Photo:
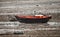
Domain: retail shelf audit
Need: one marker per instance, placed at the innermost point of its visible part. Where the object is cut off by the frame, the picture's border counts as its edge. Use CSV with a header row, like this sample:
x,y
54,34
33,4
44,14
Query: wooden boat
x,y
33,19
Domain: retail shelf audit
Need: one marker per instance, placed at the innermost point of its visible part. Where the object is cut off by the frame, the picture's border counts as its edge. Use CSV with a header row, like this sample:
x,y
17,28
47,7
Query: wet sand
x,y
33,33
26,7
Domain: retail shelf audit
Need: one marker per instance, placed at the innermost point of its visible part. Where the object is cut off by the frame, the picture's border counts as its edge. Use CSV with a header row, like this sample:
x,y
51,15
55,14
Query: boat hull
x,y
32,20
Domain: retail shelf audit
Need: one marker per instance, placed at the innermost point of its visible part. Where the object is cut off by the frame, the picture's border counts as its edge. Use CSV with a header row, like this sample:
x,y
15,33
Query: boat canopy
x,y
39,15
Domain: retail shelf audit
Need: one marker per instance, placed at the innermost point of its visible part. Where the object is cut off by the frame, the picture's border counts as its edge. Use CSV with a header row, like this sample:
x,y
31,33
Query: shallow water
x,y
54,23
18,23
11,27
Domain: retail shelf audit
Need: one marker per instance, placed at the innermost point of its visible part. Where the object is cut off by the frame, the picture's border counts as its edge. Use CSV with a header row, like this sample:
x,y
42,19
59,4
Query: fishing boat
x,y
33,19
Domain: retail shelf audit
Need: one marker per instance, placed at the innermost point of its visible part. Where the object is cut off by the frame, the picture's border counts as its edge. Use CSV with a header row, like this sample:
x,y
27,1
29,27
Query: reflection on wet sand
x,y
28,29
18,25
54,23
